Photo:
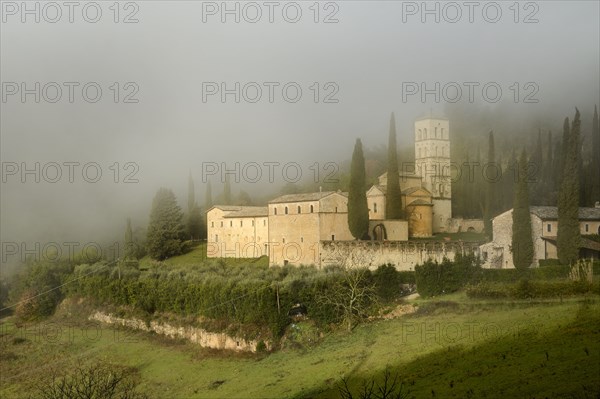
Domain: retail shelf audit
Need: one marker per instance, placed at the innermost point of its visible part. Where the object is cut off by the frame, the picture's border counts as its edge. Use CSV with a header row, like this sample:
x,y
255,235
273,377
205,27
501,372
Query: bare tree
x,y
390,388
353,293
98,381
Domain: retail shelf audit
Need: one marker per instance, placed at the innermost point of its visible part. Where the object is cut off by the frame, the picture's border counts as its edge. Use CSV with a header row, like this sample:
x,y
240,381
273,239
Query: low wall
x,y
196,335
404,255
459,225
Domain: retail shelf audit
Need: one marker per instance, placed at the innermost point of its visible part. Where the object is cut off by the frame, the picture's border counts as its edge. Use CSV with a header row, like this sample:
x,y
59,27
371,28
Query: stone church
x,y
292,228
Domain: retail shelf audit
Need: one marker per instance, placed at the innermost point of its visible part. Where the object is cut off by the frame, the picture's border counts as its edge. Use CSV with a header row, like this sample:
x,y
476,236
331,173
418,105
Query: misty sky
x,y
171,51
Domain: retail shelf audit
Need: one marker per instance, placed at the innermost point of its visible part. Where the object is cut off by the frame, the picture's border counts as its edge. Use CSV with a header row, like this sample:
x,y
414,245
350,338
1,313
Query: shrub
x,y
435,278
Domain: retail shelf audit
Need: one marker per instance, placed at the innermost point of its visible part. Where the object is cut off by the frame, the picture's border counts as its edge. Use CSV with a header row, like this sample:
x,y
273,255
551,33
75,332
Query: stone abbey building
x,y
300,228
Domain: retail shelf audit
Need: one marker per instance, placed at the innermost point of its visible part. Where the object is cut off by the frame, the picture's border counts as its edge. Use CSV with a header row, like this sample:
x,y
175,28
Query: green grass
x,y
197,258
453,347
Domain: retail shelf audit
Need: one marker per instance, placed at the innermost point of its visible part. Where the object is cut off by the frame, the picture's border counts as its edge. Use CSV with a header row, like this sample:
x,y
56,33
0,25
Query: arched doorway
x,y
379,233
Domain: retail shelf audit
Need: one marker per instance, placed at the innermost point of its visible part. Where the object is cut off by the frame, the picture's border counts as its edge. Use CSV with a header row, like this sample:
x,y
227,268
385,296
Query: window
x,y
587,227
264,222
443,133
375,207
312,209
283,240
336,209
333,237
241,223
231,223
212,224
436,132
299,209
216,238
301,239
221,224
286,210
253,223
425,134
275,211
548,227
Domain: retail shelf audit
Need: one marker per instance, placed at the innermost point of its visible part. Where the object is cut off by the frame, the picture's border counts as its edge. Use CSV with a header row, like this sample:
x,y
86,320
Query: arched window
x,y
286,210
312,209
299,209
375,207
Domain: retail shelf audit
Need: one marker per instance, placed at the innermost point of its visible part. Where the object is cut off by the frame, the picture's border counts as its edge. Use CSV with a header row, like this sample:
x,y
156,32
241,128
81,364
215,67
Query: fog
x,y
365,65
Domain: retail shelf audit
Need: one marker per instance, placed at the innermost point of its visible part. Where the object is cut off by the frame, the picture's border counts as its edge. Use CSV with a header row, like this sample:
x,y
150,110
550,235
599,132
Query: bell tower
x,y
432,163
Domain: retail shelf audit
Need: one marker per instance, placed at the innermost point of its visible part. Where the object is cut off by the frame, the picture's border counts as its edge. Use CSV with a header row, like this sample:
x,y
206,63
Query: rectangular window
x,y
212,224
333,237
548,227
221,224
587,227
253,223
264,222
241,223
231,223
216,238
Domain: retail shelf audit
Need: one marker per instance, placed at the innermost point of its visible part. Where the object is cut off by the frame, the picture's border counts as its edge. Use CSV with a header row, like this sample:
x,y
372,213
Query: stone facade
x,y
299,222
432,163
498,252
237,231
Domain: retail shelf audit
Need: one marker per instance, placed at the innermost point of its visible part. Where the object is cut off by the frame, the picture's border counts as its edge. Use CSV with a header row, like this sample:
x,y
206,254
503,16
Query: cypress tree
x,y
165,230
208,202
549,163
195,223
227,191
191,194
358,211
595,172
522,240
568,196
490,189
130,250
393,204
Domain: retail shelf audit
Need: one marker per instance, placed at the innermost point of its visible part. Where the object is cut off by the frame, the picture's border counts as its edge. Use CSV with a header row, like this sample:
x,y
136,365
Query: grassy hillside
x,y
452,348
196,258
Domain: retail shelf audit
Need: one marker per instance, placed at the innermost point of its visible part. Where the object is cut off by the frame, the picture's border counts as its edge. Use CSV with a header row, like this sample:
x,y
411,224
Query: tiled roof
x,y
227,207
410,190
305,197
551,213
249,211
420,202
381,188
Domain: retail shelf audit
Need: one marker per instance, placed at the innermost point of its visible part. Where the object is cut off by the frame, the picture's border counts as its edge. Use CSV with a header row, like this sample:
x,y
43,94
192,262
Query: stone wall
x,y
460,225
404,255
